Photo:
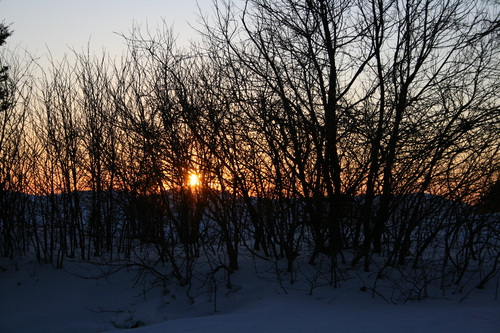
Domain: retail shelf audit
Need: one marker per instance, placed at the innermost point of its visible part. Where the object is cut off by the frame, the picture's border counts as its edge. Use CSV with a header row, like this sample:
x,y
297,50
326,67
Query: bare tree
x,y
16,91
380,98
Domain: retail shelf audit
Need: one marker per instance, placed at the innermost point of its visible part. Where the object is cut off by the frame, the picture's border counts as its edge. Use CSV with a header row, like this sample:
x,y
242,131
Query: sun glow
x,y
194,179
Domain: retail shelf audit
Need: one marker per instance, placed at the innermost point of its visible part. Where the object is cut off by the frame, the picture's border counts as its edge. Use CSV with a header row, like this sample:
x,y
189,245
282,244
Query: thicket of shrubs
x,y
362,133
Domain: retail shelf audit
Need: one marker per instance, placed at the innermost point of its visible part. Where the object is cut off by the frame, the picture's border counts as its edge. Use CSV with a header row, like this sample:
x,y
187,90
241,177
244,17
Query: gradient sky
x,y
63,25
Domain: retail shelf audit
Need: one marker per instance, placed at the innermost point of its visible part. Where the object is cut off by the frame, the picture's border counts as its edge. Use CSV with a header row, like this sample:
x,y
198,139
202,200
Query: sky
x,y
65,25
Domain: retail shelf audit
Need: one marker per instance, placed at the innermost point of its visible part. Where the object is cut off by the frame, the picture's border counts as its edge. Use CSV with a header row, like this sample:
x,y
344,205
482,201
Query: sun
x,y
194,179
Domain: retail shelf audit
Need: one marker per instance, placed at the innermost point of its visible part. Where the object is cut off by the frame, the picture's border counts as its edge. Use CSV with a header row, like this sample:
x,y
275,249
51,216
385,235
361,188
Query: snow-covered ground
x,y
39,298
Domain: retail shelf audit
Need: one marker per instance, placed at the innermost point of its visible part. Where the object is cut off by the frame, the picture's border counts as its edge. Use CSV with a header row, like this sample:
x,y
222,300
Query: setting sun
x,y
194,179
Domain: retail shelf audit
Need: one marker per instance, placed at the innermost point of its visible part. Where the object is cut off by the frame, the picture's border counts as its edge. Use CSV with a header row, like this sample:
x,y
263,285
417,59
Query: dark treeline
x,y
346,130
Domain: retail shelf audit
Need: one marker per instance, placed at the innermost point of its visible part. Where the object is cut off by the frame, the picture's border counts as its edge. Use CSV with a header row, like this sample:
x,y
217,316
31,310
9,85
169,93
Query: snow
x,y
38,298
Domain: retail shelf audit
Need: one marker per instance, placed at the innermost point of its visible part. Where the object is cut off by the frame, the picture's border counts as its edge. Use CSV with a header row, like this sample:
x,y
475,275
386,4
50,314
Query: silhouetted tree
x,y
4,91
381,98
14,161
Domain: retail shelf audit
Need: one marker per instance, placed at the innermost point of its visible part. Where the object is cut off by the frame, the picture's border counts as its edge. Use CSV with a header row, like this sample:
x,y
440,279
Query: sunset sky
x,y
61,25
